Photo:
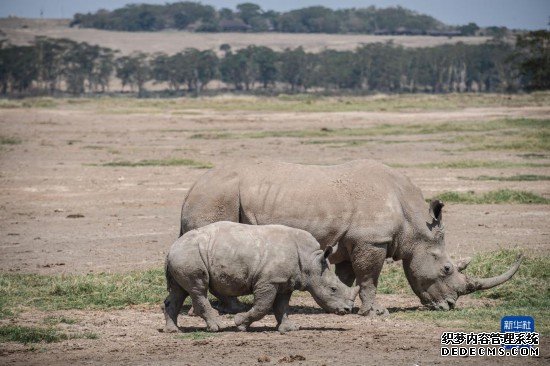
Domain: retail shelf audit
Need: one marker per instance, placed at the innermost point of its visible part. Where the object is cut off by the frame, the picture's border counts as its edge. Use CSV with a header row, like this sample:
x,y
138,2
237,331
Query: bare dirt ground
x,y
23,31
131,216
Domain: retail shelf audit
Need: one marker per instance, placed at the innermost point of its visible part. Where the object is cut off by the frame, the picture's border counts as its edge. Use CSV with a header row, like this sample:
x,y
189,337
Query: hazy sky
x,y
526,14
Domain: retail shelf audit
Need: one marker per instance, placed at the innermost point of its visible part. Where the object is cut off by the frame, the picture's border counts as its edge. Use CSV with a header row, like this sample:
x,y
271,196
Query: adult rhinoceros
x,y
372,211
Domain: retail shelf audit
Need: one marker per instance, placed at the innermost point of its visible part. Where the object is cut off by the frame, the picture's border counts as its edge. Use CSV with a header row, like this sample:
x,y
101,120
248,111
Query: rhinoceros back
x,y
214,197
322,200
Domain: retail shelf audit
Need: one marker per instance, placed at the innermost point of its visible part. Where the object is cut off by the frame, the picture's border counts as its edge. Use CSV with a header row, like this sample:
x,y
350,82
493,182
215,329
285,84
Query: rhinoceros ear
x,y
436,209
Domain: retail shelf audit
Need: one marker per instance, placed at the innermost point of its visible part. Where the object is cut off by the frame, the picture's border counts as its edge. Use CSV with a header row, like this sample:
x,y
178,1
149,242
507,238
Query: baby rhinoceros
x,y
232,259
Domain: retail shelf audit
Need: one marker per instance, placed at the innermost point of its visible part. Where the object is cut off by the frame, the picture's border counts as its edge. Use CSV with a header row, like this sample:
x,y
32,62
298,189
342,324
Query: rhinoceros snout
x,y
443,305
345,310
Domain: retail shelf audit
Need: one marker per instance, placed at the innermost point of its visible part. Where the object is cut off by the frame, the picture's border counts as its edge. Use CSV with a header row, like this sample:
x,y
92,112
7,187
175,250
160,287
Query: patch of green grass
x,y
512,134
530,286
20,334
196,336
5,309
163,162
4,140
92,291
339,143
527,293
393,281
39,103
507,140
513,178
87,335
24,334
472,164
286,103
54,320
499,196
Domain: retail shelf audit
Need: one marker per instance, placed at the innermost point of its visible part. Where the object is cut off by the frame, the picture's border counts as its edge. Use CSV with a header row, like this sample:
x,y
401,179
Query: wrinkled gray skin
x,y
231,259
371,210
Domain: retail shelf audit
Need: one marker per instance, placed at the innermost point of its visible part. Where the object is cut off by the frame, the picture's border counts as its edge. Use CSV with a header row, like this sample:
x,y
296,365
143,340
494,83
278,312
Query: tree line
x,y
53,65
251,17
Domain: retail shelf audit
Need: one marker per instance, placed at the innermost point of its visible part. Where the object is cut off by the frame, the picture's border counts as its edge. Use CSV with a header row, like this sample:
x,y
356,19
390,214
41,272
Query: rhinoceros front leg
x,y
367,261
280,310
264,295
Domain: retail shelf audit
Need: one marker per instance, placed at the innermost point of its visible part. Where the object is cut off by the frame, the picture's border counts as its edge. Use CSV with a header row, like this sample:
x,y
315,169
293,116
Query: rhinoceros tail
x,y
183,217
169,278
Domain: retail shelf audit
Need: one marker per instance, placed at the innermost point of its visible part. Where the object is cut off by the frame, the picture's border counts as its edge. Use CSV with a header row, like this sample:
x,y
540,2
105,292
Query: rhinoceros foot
x,y
170,329
213,325
240,322
287,327
374,311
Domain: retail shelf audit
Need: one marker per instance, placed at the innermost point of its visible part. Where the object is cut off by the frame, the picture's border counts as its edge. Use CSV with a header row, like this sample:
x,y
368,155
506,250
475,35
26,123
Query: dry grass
x,y
171,41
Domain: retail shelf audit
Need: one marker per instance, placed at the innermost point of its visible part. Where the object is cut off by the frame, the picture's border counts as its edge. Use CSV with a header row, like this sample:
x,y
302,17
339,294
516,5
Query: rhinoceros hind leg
x,y
202,308
172,306
280,309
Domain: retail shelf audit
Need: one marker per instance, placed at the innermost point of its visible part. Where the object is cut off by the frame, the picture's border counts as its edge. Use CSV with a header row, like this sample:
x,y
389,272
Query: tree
x,y
469,30
239,68
533,59
50,61
17,68
77,66
134,70
226,13
181,20
104,67
207,68
248,11
265,59
297,68
339,69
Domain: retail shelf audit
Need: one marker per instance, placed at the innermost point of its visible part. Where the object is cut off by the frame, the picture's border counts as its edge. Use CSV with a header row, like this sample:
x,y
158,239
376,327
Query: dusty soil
x,y
131,214
133,336
22,31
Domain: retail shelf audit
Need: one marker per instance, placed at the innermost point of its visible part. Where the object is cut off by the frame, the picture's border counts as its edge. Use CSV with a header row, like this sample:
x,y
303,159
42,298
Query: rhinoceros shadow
x,y
257,329
304,310
404,309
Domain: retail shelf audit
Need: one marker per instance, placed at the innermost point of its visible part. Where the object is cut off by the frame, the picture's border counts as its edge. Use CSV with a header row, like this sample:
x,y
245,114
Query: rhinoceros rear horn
x,y
474,284
463,263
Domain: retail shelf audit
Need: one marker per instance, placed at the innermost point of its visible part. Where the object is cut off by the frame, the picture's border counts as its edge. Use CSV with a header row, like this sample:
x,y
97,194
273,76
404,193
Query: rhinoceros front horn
x,y
474,284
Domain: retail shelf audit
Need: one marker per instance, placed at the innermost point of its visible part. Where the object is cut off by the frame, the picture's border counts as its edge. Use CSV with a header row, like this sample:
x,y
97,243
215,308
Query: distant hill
x,y
249,17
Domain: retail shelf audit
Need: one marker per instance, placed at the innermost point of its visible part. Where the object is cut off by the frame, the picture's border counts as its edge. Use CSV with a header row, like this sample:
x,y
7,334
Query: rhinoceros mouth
x,y
447,304
344,311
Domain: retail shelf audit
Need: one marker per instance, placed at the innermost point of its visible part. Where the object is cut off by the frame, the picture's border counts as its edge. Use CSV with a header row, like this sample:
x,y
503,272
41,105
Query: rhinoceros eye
x,y
333,289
